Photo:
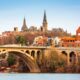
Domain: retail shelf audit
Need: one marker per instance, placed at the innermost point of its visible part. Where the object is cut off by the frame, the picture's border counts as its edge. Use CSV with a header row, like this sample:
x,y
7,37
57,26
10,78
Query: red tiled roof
x,y
67,38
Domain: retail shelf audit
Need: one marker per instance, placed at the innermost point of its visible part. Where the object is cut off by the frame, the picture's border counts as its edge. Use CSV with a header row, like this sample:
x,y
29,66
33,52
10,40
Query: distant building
x,y
24,26
16,29
68,42
40,40
56,41
71,41
44,27
33,28
29,34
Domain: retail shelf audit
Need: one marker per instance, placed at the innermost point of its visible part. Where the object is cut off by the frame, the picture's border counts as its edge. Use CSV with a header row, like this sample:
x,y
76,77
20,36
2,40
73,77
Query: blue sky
x,y
60,13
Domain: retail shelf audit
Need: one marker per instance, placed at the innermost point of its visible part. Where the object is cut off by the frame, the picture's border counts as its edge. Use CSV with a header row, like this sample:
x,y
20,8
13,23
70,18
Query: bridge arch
x,y
33,53
28,59
38,54
27,51
72,55
64,53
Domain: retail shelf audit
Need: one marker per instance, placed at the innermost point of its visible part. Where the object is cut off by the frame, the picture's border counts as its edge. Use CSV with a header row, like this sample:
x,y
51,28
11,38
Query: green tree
x,y
21,40
11,60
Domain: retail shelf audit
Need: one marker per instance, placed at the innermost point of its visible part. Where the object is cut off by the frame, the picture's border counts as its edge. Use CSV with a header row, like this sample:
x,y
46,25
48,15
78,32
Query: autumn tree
x,y
55,63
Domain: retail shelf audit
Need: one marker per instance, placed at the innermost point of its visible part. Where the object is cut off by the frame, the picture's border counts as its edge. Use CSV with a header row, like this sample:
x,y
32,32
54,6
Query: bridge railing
x,y
68,48
20,46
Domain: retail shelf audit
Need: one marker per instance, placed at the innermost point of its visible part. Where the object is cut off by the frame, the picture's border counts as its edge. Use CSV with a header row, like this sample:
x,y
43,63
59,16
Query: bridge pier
x,y
35,57
76,58
30,52
68,59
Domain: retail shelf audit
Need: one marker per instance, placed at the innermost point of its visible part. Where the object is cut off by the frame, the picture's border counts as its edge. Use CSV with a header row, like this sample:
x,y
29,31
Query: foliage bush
x,y
55,63
11,60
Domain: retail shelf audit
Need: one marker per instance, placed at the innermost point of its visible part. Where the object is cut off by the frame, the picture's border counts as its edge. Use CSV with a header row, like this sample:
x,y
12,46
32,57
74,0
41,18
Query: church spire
x,y
24,27
44,22
45,19
24,22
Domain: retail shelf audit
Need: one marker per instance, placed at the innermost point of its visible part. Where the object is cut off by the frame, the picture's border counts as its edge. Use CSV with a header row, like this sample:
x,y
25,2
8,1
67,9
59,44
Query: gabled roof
x,y
78,30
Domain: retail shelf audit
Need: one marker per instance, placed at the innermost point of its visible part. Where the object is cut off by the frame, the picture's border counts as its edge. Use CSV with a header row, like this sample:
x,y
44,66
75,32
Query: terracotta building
x,y
71,41
67,42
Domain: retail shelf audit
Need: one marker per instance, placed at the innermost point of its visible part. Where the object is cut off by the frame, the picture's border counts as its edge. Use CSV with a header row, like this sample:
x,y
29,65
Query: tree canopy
x,y
21,40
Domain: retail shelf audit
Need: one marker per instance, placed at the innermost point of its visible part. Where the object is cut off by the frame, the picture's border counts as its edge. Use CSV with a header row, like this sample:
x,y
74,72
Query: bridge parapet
x,y
69,48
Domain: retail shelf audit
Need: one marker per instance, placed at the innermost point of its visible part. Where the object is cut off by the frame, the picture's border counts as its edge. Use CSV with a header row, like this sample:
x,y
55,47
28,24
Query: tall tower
x,y
45,24
24,27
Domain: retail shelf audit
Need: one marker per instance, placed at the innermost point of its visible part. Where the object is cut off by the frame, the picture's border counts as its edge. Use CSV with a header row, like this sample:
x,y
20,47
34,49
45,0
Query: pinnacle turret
x,y
45,22
44,18
24,26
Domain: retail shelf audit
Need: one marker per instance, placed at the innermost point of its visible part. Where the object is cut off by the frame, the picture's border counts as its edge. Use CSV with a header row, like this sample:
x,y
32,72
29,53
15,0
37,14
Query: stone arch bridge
x,y
72,54
28,53
31,54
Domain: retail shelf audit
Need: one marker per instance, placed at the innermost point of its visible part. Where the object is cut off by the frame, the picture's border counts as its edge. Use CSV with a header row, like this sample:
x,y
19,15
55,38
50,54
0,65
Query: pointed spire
x,y
24,27
24,21
45,24
44,18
